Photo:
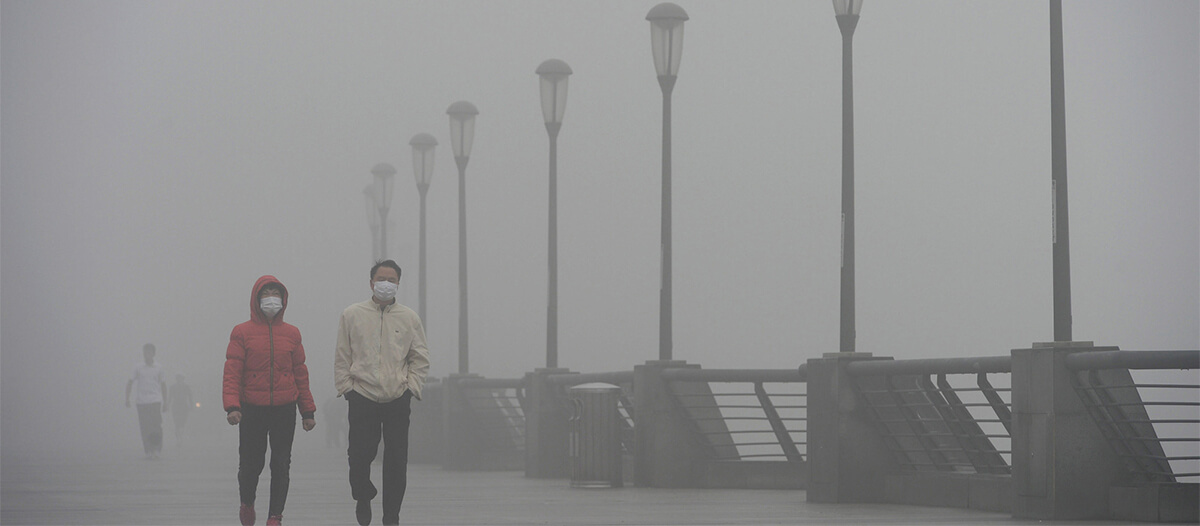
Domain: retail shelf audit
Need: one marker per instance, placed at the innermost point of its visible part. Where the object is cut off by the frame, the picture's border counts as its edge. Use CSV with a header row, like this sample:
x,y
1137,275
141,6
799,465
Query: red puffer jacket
x,y
264,363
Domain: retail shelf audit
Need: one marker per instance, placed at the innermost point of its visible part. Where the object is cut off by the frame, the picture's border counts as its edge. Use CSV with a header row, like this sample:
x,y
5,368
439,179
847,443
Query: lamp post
x,y
372,208
553,73
1058,180
462,133
384,179
666,39
847,18
423,145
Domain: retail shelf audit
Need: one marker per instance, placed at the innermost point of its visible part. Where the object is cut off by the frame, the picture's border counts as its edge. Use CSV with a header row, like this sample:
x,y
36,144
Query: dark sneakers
x,y
363,512
246,514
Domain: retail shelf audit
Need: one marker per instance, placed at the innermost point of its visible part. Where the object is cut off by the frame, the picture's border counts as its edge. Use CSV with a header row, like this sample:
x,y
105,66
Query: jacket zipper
x,y
271,341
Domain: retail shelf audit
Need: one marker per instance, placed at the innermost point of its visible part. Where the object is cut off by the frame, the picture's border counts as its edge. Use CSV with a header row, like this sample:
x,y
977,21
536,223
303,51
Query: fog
x,y
158,157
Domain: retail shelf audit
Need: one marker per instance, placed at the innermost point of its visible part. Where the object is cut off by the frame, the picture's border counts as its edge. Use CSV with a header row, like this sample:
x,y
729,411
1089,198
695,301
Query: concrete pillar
x,y
464,445
545,426
667,454
426,428
1062,465
848,460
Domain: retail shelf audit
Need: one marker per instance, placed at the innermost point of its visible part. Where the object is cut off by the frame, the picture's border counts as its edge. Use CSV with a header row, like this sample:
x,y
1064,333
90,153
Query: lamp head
x,y
847,7
423,145
666,37
384,175
462,127
554,73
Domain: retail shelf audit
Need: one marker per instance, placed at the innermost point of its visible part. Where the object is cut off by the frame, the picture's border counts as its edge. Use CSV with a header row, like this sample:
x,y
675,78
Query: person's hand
x,y
309,424
234,417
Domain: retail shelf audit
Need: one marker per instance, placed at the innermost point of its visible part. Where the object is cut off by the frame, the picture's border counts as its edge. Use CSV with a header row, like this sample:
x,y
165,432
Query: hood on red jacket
x,y
256,313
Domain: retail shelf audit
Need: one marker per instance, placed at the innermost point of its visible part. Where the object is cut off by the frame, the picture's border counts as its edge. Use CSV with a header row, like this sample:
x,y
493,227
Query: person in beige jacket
x,y
379,366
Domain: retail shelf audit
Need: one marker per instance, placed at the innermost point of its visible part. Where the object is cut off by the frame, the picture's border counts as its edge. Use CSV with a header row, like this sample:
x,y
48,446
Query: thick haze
x,y
158,157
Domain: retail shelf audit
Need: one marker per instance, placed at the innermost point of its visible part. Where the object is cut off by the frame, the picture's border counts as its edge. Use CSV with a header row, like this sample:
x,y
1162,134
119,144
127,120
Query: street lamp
x,y
384,179
847,19
462,133
1058,180
553,75
423,145
372,206
666,39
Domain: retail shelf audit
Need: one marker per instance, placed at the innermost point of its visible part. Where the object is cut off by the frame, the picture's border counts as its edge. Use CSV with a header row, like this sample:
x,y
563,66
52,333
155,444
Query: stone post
x,y
667,455
848,461
1062,465
464,445
545,426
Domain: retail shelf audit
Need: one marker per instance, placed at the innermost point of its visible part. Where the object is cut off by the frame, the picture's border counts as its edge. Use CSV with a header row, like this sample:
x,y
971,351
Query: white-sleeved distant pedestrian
x,y
150,397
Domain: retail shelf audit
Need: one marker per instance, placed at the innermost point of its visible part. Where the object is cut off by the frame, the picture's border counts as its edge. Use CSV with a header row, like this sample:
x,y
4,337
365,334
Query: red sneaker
x,y
275,520
246,514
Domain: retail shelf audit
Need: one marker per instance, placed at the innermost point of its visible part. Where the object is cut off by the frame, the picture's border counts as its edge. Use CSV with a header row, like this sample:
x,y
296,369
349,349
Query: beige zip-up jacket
x,y
380,352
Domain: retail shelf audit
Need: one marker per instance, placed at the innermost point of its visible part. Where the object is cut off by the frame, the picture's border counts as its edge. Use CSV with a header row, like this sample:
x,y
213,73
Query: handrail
x,y
1082,361
735,375
986,364
612,377
492,383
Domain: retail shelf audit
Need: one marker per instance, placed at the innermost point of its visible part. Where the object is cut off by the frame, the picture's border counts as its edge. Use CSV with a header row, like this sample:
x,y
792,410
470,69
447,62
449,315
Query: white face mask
x,y
385,291
271,305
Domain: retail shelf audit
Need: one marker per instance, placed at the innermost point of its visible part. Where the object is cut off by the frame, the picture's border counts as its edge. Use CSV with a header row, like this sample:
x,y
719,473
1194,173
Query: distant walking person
x,y
149,397
181,406
265,381
379,366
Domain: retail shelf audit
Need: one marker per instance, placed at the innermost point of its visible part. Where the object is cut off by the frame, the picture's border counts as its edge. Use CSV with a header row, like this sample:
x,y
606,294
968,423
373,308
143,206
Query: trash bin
x,y
595,436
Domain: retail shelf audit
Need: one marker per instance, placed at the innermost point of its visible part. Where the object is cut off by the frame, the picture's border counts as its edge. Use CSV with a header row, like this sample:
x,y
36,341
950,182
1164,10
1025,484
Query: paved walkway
x,y
195,487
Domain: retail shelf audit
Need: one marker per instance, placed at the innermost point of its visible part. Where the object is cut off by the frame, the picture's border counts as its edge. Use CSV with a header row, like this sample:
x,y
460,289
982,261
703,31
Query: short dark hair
x,y
385,263
273,285
149,347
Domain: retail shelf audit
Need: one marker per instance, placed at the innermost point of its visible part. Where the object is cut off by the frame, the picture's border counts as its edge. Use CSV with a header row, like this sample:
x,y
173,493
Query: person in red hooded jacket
x,y
265,382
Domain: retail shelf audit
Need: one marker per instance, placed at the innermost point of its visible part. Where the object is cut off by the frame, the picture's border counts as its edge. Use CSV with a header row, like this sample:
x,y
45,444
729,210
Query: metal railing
x,y
1152,425
946,424
498,407
738,417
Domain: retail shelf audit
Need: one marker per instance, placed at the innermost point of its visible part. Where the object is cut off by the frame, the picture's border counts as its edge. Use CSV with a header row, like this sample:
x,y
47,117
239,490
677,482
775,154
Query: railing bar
x,y
1170,386
945,435
1136,386
765,455
1146,439
891,421
993,364
1098,360
1155,457
734,375
757,444
796,418
962,388
570,379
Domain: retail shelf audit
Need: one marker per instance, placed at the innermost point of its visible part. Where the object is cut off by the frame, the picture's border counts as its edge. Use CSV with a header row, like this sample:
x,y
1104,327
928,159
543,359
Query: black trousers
x,y
369,421
150,420
262,424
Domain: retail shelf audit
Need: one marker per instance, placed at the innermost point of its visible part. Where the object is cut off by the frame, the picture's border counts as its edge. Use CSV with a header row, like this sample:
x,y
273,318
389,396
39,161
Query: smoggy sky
x,y
158,157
